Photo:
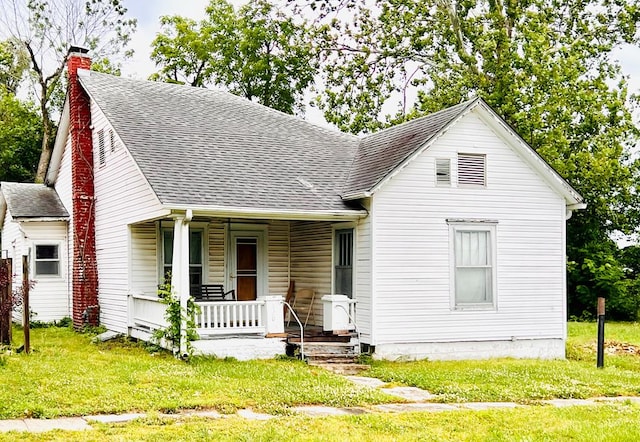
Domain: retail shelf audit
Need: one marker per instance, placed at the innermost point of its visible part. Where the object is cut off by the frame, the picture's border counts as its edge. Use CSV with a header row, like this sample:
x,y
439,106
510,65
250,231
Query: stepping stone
x,y
12,425
67,423
567,402
412,394
427,406
210,414
487,405
366,382
250,414
114,418
321,411
633,399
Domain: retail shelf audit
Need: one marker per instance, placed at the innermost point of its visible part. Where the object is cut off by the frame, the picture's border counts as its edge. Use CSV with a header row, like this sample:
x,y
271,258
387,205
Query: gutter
x,y
253,213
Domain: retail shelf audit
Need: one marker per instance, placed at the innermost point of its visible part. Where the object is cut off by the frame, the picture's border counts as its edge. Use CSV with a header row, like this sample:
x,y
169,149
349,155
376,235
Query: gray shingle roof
x,y
27,200
200,147
380,153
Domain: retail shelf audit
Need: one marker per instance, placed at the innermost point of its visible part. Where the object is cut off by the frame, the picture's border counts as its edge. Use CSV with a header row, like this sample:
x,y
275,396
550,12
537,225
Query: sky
x,y
148,13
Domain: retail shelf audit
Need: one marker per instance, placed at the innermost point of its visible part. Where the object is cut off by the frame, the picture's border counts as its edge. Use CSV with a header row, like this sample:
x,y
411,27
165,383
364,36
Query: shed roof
x,y
29,200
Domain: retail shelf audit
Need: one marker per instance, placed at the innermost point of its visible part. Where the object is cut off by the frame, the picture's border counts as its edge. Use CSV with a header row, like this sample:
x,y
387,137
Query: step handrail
x,y
301,328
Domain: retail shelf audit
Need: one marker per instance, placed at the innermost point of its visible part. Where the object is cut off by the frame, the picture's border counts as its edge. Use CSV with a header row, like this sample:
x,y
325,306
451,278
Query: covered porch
x,y
261,266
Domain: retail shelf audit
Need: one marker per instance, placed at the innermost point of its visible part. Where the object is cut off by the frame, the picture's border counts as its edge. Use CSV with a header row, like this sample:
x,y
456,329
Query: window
x,y
195,255
473,264
47,260
343,262
443,172
101,154
471,169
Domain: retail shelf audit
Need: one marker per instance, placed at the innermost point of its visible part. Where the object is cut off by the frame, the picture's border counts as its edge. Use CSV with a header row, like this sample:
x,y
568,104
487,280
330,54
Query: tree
x,y
20,139
544,65
257,53
14,61
47,28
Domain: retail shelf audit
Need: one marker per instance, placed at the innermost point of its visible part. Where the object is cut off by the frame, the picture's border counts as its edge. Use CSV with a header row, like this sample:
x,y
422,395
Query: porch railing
x,y
146,313
221,318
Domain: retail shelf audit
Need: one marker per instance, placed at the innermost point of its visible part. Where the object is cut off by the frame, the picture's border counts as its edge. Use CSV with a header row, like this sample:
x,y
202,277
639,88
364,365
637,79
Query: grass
x,y
602,423
67,375
529,380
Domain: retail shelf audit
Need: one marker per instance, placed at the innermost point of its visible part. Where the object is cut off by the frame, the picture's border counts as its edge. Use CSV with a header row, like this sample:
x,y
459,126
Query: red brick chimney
x,y
85,272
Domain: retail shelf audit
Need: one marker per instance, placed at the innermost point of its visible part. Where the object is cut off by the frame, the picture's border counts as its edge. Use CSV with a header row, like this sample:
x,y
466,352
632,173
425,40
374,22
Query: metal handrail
x,y
353,321
301,328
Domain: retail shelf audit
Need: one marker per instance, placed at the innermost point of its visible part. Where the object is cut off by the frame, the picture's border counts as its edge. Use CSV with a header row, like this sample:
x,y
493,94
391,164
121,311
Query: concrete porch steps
x,y
337,353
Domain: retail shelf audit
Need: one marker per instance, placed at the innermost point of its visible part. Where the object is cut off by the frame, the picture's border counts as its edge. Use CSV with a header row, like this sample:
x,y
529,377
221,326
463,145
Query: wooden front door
x,y
246,269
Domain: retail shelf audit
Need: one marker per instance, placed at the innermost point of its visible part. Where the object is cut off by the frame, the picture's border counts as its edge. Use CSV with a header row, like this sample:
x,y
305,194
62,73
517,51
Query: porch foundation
x,y
241,348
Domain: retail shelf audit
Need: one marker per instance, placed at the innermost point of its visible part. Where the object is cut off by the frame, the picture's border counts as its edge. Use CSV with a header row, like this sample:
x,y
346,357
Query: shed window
x,y
47,260
473,265
443,171
471,169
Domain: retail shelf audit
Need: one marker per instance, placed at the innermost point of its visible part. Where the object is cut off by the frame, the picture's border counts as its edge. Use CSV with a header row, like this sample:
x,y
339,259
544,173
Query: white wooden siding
x,y
122,196
411,246
63,188
50,297
362,279
311,248
216,273
144,262
278,258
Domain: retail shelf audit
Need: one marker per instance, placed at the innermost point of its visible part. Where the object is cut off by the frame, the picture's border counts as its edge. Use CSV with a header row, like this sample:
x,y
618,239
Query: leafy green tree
x,y
47,28
20,139
14,61
544,65
256,52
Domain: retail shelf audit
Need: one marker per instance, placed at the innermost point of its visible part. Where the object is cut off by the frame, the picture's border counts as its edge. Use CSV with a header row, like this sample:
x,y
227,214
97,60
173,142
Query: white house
x,y
445,233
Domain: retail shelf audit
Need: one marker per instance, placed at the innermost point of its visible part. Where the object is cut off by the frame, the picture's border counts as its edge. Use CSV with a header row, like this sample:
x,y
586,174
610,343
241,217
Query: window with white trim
x,y
343,262
472,169
473,264
443,172
196,252
47,261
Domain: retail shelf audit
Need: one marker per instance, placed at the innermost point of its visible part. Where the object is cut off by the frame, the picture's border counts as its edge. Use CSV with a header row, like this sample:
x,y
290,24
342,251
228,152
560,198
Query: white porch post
x,y
180,270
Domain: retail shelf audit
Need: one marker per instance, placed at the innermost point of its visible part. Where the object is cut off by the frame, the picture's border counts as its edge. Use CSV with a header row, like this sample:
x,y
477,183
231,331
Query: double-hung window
x,y
47,260
195,255
473,264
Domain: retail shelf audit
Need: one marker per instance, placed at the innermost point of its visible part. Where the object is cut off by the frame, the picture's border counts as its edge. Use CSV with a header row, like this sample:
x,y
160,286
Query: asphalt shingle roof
x,y
27,200
380,153
201,147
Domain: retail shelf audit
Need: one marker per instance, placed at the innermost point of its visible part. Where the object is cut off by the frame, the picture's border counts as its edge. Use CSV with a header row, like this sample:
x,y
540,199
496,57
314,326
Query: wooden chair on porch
x,y
303,305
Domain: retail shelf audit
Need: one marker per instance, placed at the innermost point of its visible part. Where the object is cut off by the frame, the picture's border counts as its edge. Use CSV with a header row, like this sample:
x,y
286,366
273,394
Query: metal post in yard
x,y
600,361
25,303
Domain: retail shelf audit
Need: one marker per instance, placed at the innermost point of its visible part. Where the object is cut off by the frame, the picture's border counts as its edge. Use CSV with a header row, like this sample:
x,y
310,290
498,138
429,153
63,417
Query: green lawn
x,y
67,375
602,423
529,380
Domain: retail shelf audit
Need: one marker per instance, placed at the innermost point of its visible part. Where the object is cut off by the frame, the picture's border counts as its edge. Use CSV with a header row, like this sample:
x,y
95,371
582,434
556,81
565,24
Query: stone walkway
x,y
416,400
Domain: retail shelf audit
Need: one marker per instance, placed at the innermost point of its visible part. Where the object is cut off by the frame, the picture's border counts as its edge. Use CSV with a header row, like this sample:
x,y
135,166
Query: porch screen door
x,y
343,259
246,269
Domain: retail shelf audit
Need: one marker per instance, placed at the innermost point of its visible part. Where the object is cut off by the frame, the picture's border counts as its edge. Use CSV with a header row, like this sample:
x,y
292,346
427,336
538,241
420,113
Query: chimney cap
x,y
77,50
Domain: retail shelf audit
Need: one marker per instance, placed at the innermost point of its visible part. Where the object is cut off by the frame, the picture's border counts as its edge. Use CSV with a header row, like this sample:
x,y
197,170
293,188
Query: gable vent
x,y
101,154
112,141
443,171
471,169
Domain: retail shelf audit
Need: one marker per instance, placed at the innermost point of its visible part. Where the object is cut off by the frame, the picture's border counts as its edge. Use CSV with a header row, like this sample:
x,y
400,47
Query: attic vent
x,y
101,157
471,169
112,141
443,171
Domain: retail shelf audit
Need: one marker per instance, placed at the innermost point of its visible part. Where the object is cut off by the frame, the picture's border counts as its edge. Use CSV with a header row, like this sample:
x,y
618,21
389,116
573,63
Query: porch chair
x,y
303,303
214,292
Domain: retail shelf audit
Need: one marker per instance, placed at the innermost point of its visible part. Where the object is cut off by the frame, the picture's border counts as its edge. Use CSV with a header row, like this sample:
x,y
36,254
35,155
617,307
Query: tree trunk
x,y
47,146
